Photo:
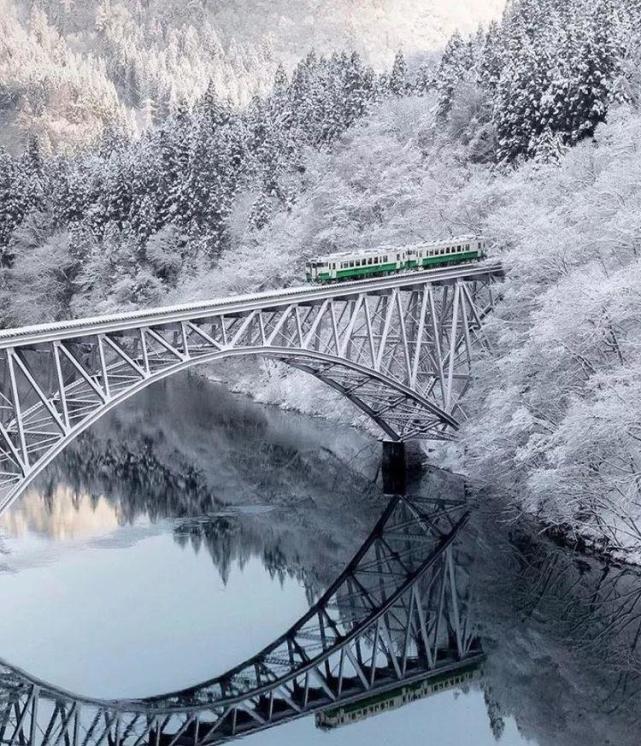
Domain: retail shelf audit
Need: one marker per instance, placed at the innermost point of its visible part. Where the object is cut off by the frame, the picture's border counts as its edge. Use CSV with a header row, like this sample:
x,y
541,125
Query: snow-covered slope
x,y
376,28
68,68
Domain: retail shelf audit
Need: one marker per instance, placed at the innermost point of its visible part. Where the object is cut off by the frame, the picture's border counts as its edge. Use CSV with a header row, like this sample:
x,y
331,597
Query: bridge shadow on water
x,y
410,595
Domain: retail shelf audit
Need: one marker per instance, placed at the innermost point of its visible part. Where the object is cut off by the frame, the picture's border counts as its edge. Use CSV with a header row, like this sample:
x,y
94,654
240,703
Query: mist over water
x,y
159,551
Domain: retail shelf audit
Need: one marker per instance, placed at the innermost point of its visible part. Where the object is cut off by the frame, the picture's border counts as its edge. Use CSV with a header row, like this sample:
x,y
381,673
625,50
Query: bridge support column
x,y
394,467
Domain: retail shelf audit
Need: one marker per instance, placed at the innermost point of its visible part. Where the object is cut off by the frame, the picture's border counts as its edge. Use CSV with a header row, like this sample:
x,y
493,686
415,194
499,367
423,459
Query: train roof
x,y
391,249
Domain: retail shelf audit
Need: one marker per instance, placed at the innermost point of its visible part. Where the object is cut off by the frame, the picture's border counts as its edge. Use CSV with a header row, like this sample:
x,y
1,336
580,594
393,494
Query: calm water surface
x,y
159,551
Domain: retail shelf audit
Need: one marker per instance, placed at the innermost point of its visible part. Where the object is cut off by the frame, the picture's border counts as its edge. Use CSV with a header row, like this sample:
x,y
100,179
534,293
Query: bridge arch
x,y
400,349
388,391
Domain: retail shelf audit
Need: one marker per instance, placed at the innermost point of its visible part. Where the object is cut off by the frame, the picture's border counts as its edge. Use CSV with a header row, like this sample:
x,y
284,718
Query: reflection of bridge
x,y
399,348
398,613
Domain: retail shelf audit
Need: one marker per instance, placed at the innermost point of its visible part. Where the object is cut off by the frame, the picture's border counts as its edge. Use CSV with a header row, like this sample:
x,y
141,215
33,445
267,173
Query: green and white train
x,y
372,705
355,265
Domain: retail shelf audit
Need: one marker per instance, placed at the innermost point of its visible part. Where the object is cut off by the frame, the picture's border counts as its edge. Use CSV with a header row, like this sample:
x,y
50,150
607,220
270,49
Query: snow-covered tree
x,y
398,79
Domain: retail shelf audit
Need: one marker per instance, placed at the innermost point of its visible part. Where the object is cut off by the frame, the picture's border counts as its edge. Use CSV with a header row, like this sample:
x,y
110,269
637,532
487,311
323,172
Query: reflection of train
x,y
372,705
355,265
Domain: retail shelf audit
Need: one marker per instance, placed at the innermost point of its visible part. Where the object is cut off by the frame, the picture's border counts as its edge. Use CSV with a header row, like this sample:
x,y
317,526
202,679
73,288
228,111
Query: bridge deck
x,y
399,348
237,304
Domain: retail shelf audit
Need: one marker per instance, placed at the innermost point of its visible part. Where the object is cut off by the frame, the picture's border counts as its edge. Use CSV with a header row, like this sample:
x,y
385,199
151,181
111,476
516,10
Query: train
x,y
363,264
372,705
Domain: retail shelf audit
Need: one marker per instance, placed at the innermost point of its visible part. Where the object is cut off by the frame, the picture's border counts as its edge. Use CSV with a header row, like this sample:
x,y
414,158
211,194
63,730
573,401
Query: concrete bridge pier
x,y
394,467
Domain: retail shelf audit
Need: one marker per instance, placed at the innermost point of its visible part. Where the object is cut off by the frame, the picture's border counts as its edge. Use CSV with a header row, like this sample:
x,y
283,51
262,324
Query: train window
x,y
369,261
351,264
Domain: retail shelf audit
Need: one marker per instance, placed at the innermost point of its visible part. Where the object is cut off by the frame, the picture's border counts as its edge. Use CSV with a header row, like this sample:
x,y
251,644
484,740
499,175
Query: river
x,y
190,527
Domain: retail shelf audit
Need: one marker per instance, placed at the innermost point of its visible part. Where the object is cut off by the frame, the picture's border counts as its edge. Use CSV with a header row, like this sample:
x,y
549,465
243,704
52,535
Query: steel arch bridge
x,y
400,348
400,613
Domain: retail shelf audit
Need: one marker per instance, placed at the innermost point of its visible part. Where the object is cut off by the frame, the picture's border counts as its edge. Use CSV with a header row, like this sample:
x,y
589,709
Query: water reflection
x,y
562,634
275,505
395,627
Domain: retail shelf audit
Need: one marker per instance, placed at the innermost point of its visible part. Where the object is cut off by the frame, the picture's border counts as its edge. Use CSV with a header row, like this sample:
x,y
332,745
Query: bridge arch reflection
x,y
396,622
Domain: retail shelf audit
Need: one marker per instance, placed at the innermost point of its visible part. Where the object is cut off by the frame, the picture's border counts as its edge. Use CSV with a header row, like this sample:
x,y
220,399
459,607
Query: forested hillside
x,y
70,68
525,131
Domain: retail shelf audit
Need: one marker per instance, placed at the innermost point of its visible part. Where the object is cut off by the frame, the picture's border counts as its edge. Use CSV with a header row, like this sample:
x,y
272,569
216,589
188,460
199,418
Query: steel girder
x,y
399,348
400,612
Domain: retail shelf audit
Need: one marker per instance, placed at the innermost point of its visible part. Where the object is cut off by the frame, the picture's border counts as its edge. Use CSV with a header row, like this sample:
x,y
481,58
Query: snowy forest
x,y
202,178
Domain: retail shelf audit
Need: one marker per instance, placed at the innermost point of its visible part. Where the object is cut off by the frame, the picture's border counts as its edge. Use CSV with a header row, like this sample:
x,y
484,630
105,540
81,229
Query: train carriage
x,y
357,265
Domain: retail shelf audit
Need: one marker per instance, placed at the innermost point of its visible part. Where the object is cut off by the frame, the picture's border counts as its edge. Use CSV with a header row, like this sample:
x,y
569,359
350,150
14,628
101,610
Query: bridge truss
x,y
400,612
399,348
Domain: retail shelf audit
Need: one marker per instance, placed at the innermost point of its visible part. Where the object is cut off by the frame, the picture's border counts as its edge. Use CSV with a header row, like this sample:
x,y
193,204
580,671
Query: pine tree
x,y
597,68
201,179
260,212
175,146
451,71
519,115
548,147
491,58
34,187
215,112
12,205
118,195
357,90
398,81
146,219
424,80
